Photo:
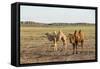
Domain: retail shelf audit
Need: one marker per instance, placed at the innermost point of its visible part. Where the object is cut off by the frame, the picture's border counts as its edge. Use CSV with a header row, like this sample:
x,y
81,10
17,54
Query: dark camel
x,y
75,39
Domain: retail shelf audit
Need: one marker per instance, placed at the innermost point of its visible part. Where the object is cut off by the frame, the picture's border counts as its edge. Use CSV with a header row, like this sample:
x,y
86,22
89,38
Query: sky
x,y
55,14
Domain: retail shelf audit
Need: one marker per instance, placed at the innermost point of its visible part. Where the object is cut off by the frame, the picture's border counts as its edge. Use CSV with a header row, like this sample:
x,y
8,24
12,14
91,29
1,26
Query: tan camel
x,y
55,37
61,36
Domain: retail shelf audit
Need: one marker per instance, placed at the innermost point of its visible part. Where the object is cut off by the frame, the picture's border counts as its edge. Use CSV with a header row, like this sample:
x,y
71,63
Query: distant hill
x,y
38,24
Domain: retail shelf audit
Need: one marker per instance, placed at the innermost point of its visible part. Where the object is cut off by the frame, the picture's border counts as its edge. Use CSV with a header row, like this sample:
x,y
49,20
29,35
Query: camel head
x,y
46,33
71,38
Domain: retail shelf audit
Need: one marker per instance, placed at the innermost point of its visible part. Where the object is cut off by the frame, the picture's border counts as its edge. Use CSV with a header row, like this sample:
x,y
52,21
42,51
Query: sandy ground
x,y
46,54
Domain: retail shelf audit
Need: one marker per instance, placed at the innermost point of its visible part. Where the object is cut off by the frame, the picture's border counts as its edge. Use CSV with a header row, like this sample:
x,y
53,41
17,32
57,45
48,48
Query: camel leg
x,y
76,47
65,45
65,49
55,47
81,45
73,48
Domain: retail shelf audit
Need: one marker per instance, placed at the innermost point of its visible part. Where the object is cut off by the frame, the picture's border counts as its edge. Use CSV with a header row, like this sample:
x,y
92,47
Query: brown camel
x,y
75,39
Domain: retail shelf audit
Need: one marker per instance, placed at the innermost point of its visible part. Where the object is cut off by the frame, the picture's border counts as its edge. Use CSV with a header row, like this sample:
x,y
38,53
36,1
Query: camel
x,y
75,39
61,36
52,37
55,37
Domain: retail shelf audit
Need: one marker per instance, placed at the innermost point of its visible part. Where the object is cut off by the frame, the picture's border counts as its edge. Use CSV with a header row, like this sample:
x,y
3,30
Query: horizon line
x,y
56,22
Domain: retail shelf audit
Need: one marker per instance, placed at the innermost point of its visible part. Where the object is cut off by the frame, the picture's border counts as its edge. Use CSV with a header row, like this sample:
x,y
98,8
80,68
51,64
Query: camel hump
x,y
81,34
75,33
55,32
80,31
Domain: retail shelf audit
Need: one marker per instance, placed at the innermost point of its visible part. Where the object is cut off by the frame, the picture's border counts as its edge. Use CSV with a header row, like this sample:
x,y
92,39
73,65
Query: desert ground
x,y
36,48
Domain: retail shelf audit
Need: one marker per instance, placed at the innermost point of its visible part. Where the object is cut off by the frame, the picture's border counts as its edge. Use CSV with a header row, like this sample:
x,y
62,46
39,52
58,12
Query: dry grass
x,y
35,47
